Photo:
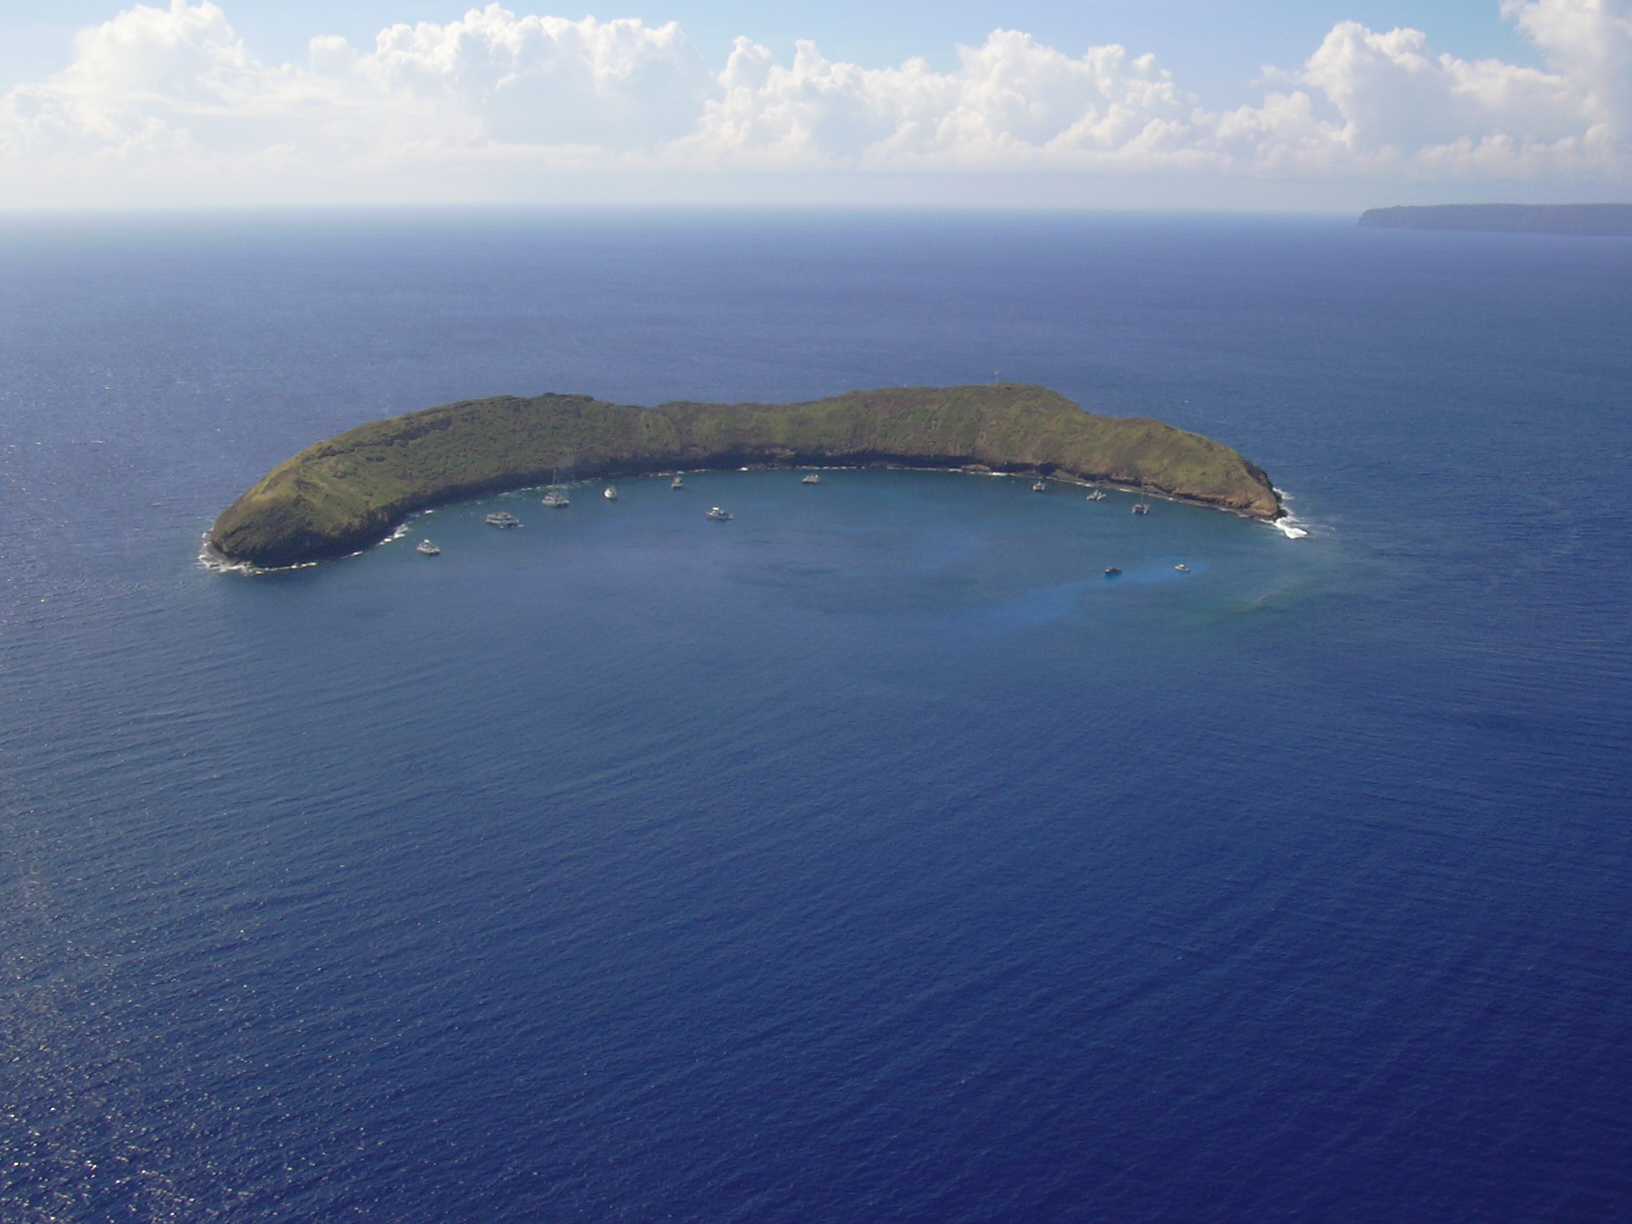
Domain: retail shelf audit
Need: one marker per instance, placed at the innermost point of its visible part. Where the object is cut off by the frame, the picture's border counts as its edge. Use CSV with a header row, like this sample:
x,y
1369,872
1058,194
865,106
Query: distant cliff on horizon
x,y
1594,220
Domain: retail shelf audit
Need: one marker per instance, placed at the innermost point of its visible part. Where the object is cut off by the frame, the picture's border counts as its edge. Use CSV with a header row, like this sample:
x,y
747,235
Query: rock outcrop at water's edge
x,y
351,491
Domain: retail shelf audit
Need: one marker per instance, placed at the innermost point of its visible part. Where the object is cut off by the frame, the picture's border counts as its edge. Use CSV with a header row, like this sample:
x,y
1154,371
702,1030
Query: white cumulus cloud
x,y
172,98
1012,99
1588,43
540,80
142,84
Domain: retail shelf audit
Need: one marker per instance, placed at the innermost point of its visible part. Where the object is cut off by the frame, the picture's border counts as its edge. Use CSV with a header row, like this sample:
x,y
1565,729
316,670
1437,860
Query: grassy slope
x,y
343,494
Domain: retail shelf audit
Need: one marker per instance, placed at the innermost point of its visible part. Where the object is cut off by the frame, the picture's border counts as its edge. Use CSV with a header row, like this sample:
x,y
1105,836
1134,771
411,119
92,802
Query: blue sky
x,y
1108,103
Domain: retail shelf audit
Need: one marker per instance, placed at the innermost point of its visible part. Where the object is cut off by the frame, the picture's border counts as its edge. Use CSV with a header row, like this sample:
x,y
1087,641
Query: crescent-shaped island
x,y
345,494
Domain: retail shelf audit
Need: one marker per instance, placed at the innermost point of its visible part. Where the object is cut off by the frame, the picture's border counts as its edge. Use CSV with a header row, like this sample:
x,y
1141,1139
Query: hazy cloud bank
x,y
170,104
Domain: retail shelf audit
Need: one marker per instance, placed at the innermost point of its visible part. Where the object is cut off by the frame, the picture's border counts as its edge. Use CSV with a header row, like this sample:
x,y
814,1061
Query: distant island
x,y
353,490
1594,220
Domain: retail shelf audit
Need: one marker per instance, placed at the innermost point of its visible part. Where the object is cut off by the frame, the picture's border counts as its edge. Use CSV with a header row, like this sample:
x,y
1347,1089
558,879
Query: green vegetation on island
x,y
351,491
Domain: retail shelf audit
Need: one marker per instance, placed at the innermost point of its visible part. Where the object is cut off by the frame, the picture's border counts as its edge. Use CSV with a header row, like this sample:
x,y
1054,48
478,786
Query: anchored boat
x,y
553,497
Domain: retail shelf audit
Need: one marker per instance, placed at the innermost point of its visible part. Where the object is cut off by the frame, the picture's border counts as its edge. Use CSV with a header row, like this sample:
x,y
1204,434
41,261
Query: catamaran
x,y
553,497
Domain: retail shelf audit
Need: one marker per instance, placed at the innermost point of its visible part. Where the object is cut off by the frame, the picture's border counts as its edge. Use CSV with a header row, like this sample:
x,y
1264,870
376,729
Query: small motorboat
x,y
503,518
679,482
1111,571
813,478
1183,569
610,492
426,549
717,514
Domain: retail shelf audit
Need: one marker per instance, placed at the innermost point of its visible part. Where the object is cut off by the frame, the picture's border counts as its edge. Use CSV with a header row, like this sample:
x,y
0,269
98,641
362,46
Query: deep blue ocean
x,y
871,857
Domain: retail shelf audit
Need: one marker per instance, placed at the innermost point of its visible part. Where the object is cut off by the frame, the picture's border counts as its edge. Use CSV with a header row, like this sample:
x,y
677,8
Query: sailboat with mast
x,y
554,497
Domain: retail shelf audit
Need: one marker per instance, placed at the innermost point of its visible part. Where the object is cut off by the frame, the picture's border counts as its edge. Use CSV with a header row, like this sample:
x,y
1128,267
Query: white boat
x,y
1111,571
1183,569
1040,487
813,478
553,497
426,549
679,482
503,518
1097,495
610,492
717,514
1141,508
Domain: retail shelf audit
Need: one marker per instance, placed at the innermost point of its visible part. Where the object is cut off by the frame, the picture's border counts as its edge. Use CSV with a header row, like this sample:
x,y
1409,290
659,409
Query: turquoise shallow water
x,y
871,856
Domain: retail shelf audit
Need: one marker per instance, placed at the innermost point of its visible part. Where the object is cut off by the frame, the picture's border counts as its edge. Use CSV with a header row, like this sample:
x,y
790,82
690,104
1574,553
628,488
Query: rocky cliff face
x,y
348,492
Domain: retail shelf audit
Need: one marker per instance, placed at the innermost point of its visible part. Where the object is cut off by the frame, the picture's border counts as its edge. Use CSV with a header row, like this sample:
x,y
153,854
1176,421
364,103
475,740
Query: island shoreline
x,y
215,561
344,495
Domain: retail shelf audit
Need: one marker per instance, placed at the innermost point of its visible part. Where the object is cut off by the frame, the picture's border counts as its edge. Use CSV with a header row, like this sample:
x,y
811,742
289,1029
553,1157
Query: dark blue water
x,y
871,857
